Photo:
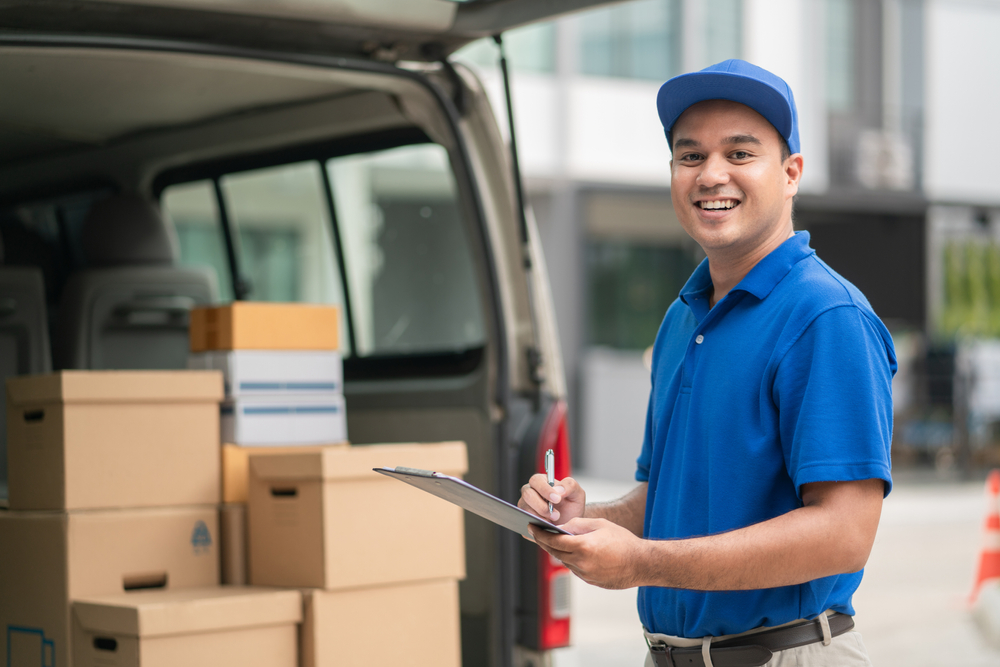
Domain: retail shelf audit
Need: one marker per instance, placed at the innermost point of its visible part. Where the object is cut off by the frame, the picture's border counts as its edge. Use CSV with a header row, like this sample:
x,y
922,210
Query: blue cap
x,y
738,81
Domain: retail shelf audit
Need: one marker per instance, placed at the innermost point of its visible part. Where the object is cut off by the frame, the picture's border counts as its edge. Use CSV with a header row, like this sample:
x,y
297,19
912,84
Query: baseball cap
x,y
738,81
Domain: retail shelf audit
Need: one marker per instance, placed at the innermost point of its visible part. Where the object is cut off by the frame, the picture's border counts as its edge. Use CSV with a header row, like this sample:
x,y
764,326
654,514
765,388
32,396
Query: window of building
x,y
723,30
840,49
631,285
637,40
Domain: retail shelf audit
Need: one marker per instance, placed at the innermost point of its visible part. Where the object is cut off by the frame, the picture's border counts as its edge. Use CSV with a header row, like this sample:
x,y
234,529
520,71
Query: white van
x,y
298,150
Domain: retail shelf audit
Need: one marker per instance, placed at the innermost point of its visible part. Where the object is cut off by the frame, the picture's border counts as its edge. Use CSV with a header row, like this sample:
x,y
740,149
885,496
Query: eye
x,y
740,155
691,157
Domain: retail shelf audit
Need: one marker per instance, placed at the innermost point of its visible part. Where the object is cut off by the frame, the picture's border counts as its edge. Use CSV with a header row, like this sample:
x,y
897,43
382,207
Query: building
x,y
895,99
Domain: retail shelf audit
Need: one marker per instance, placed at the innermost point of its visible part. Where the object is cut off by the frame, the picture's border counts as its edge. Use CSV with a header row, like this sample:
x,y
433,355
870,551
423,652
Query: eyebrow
x,y
735,139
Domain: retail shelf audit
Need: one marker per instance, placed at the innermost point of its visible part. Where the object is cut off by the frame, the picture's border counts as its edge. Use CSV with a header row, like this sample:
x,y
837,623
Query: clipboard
x,y
471,498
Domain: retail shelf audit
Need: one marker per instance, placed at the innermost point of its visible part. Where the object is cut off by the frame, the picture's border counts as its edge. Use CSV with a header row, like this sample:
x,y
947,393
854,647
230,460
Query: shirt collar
x,y
763,277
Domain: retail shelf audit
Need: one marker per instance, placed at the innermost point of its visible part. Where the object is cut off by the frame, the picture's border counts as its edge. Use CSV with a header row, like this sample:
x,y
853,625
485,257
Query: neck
x,y
728,266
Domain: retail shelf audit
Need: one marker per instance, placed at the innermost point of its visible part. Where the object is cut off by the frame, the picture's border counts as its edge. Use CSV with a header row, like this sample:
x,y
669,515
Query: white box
x,y
284,420
271,372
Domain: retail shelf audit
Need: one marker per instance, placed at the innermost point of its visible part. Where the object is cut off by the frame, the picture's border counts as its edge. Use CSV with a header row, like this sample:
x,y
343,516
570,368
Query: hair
x,y
785,150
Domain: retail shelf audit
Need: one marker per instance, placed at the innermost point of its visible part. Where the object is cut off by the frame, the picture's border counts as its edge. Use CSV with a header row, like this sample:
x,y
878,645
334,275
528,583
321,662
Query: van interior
x,y
138,183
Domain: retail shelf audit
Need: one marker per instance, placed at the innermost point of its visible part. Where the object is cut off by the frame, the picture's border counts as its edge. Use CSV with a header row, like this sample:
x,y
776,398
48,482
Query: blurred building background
x,y
900,193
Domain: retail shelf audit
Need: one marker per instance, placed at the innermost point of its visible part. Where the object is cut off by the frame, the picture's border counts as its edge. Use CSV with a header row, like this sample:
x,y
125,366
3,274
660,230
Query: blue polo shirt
x,y
786,381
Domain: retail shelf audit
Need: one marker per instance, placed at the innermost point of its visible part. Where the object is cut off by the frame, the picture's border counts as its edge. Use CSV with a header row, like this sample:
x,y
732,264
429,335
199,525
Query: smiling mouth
x,y
718,204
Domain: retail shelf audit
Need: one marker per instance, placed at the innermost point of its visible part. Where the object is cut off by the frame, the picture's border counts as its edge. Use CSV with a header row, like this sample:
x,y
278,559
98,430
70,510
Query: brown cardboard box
x,y
236,466
233,543
203,627
325,519
102,439
416,624
259,325
48,559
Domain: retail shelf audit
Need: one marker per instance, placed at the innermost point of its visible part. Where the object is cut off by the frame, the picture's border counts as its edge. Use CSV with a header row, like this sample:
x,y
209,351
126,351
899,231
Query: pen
x,y
550,464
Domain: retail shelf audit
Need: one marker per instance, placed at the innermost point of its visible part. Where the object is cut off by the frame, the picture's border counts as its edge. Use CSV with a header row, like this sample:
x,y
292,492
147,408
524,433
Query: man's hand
x,y
600,552
568,499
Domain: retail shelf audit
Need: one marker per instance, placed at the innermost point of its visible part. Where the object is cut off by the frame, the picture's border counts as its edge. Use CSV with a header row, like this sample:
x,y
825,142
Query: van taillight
x,y
554,577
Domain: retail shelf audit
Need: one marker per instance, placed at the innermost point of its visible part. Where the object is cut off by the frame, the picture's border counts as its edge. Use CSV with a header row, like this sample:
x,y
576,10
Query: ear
x,y
793,174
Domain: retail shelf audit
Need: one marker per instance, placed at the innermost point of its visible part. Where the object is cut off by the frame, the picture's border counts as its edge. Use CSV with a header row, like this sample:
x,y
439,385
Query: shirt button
x,y
699,339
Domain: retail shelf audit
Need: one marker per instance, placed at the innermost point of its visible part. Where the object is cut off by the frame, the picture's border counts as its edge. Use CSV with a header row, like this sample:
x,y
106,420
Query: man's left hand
x,y
600,552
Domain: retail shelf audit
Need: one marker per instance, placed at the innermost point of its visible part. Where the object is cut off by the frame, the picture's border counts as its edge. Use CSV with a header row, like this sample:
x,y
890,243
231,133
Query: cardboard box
x,y
274,372
259,325
48,559
236,466
325,519
103,439
290,420
233,543
207,627
370,626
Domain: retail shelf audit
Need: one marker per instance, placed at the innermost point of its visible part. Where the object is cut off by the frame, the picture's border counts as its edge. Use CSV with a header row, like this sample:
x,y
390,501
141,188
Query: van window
x,y
386,223
192,209
406,252
285,244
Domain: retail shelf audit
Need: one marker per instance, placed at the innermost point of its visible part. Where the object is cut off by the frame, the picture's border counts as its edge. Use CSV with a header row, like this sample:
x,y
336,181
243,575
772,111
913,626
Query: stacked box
x,y
283,380
282,371
250,627
114,486
360,543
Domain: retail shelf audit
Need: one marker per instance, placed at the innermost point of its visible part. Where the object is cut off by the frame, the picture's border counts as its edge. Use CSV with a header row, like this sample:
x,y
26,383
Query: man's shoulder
x,y
814,286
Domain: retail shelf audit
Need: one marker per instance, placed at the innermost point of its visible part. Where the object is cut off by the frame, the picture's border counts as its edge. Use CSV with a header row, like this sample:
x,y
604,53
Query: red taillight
x,y
553,576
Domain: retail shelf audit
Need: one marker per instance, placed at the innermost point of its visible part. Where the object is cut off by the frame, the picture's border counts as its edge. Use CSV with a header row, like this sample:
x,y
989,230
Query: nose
x,y
714,171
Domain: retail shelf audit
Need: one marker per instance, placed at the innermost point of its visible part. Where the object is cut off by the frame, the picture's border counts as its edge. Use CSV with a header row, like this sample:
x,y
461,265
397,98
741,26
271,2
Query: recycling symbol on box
x,y
201,539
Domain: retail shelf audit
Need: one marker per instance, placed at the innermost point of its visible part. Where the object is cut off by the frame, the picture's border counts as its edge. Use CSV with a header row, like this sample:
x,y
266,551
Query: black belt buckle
x,y
661,655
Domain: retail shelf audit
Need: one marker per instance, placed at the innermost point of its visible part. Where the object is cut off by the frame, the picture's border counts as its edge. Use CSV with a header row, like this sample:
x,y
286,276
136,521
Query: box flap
x,y
357,461
188,610
117,386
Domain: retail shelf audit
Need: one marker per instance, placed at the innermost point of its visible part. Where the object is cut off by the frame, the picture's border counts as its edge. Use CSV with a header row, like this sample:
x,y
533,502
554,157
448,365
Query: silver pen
x,y
550,464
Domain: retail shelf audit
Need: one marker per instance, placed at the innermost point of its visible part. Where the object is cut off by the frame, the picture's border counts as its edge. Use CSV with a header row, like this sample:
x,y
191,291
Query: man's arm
x,y
831,534
629,511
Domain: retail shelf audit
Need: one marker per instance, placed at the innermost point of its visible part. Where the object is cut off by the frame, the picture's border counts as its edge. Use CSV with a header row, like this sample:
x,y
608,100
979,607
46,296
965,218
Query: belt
x,y
750,650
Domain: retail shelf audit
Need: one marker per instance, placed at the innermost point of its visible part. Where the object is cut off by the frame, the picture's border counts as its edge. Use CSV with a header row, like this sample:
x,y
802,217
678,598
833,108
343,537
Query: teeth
x,y
721,204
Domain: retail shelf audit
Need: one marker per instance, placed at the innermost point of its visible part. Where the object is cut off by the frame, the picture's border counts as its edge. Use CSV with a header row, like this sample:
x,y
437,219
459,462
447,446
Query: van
x,y
160,154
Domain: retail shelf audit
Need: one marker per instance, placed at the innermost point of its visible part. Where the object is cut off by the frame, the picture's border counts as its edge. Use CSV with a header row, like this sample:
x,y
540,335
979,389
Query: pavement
x,y
912,607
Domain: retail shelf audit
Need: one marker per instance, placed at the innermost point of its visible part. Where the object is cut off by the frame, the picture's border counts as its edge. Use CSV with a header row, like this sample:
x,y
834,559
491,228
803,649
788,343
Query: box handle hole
x,y
32,416
105,643
284,493
138,582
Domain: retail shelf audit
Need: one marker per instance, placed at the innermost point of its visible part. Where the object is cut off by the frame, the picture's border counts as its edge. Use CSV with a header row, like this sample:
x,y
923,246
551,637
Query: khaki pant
x,y
846,650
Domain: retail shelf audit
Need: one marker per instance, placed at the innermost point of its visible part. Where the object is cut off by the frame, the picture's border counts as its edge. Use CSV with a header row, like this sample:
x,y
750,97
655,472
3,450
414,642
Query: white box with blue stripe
x,y
284,419
274,372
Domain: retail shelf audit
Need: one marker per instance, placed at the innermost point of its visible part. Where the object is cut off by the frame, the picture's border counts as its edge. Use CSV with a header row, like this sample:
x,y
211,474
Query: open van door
x,y
386,30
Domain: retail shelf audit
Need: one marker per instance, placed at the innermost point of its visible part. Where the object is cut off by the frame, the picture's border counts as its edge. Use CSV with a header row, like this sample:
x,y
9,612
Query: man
x,y
766,454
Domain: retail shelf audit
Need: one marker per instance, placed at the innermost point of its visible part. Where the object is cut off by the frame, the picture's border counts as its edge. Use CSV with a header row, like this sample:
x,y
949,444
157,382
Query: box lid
x,y
358,460
117,386
156,613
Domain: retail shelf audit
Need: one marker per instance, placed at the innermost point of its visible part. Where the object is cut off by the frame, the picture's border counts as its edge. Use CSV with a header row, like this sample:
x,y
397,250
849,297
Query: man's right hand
x,y
568,499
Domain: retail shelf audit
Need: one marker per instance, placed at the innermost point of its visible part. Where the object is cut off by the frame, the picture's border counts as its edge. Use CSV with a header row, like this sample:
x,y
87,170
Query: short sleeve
x,y
833,390
646,455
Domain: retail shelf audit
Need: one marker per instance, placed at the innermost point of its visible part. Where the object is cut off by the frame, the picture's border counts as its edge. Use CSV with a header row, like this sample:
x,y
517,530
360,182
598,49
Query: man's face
x,y
730,187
